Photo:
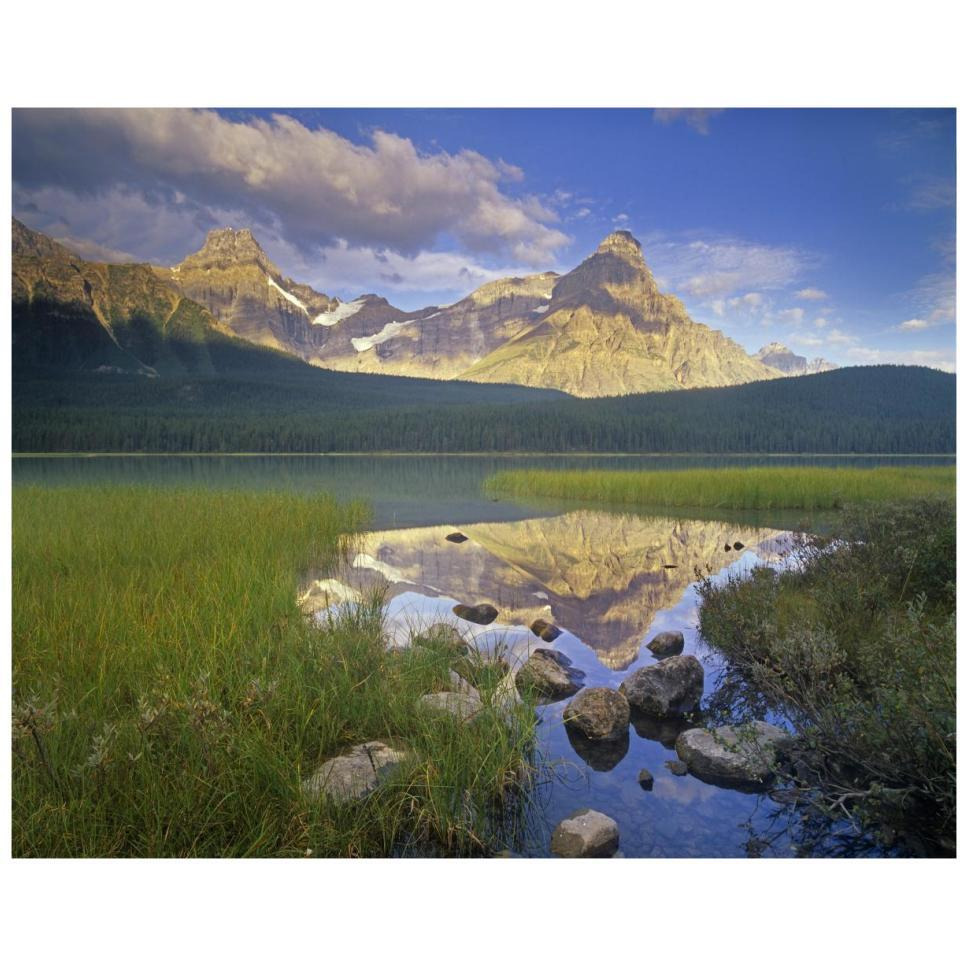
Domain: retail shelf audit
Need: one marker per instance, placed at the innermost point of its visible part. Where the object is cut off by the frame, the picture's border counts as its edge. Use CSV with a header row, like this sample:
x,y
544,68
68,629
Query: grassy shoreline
x,y
754,488
169,697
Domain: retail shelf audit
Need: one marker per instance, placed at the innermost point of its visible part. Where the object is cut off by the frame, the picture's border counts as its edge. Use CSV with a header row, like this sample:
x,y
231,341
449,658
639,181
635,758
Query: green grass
x,y
858,648
751,488
169,697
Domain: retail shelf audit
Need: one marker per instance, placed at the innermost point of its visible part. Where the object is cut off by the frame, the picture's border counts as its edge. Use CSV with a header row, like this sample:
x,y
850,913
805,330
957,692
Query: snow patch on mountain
x,y
344,310
390,330
296,301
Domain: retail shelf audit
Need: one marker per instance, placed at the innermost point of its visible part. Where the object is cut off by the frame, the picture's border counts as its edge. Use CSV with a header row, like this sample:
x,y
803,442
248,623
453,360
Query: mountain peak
x,y
772,348
226,247
622,243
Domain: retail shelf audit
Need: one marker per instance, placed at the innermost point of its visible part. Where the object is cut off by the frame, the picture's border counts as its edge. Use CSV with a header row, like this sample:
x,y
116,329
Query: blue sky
x,y
832,231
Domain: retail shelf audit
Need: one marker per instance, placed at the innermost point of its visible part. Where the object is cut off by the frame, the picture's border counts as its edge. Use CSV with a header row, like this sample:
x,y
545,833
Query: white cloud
x,y
931,193
697,118
839,338
811,293
581,213
724,267
804,340
820,322
941,359
915,324
315,186
793,315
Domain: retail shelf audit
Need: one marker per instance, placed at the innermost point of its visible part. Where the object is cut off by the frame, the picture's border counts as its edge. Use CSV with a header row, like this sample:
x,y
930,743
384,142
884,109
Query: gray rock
x,y
586,833
599,713
550,673
670,688
458,703
744,756
645,779
545,631
353,775
666,644
482,613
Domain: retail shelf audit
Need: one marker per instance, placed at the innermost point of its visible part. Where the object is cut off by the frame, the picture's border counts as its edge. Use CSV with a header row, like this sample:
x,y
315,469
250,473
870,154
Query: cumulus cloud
x,y
697,118
820,322
315,187
794,315
915,324
811,293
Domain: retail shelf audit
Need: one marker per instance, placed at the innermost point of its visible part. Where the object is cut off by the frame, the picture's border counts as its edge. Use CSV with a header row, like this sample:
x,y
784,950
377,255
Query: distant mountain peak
x,y
622,243
780,357
772,348
226,247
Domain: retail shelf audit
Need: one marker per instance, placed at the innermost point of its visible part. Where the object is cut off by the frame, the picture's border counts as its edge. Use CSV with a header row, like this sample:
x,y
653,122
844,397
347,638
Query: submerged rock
x,y
599,755
666,644
677,767
743,756
456,537
645,779
664,730
482,613
462,704
586,833
353,775
545,631
599,713
667,689
550,673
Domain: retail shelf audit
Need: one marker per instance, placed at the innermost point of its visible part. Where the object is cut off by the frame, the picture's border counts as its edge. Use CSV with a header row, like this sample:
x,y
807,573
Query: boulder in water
x,y
670,688
586,833
599,713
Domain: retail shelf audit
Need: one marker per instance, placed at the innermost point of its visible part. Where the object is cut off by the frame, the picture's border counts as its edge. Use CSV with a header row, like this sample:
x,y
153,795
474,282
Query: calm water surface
x,y
611,579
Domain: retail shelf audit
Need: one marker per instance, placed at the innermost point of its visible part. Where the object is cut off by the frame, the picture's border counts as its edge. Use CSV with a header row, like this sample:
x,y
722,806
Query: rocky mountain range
x,y
603,329
782,358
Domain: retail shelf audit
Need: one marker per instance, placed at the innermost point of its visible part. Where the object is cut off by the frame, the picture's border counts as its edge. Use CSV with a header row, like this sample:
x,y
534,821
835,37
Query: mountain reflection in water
x,y
601,576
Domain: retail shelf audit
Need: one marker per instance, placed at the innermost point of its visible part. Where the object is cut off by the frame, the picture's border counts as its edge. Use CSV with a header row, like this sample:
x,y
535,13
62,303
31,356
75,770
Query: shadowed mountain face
x,y
782,358
601,576
68,312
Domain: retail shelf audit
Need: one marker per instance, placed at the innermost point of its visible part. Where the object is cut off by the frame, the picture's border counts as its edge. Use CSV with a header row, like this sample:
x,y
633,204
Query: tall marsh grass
x,y
169,697
753,488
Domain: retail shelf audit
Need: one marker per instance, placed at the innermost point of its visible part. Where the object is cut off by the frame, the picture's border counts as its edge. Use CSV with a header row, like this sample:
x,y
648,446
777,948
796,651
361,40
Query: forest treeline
x,y
884,409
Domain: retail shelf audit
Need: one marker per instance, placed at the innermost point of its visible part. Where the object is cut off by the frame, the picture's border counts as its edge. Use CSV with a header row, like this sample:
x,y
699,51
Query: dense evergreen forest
x,y
885,409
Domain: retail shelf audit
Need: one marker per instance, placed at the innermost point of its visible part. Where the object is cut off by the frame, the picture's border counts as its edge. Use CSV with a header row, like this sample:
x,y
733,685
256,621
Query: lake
x,y
611,579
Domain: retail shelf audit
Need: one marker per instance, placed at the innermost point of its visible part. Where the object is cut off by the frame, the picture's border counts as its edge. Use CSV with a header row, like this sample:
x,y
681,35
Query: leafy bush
x,y
857,648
